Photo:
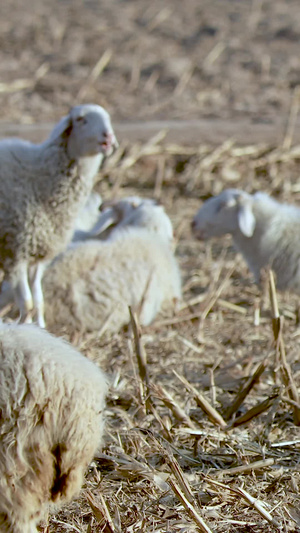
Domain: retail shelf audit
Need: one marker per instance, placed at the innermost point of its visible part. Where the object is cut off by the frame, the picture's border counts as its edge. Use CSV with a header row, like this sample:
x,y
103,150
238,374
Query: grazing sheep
x,y
51,402
265,231
42,188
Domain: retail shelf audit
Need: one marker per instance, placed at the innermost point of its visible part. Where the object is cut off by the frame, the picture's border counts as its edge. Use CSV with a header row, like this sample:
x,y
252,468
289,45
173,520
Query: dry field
x,y
203,417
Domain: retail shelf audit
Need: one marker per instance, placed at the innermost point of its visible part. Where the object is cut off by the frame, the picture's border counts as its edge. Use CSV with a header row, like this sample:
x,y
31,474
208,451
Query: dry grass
x,y
181,60
202,428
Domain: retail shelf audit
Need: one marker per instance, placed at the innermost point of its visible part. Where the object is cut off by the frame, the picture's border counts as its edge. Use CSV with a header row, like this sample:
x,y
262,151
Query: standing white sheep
x,y
42,188
51,402
265,231
97,279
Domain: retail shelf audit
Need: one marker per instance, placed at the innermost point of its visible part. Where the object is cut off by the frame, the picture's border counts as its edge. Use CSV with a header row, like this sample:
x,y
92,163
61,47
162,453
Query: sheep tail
x,y
66,481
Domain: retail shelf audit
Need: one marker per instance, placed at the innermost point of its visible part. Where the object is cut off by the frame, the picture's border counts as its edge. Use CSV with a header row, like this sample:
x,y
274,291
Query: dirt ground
x,y
223,63
141,60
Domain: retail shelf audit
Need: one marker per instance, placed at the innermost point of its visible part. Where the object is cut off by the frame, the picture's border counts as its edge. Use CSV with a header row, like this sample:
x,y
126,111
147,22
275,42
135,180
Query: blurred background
x,y
213,59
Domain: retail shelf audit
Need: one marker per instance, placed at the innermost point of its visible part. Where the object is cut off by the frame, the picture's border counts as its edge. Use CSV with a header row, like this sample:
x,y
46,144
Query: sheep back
x,y
51,401
94,280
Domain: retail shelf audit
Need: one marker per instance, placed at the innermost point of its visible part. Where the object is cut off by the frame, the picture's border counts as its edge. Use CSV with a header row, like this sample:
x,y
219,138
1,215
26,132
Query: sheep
x,y
42,188
130,211
52,400
89,214
85,221
265,231
97,279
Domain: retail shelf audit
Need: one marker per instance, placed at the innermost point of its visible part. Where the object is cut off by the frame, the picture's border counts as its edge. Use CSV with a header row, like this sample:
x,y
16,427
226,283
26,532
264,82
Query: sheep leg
x,y
17,526
37,293
22,292
6,294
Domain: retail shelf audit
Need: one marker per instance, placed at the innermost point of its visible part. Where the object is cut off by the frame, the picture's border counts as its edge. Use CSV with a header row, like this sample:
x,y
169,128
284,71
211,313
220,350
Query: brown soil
x,y
163,60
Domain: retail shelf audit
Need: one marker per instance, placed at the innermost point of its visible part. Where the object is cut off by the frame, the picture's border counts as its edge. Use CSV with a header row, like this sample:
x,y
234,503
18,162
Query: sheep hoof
x,y
26,318
41,322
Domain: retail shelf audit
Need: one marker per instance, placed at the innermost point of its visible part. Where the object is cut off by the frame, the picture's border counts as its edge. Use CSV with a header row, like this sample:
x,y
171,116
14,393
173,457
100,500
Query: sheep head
x,y
134,211
229,212
87,130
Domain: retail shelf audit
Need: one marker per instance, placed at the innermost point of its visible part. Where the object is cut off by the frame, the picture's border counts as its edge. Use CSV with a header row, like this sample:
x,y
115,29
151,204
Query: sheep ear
x,y
224,204
246,219
62,129
107,219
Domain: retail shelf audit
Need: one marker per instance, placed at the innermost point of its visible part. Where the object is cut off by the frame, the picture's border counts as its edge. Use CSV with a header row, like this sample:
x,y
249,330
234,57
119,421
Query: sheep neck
x,y
66,182
272,220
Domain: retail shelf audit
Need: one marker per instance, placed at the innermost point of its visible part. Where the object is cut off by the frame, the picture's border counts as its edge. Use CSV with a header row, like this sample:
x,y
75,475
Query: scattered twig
x,y
177,411
141,358
179,475
212,298
26,83
101,513
254,411
288,380
203,403
254,502
189,508
257,465
95,73
159,18
232,306
161,163
288,139
165,430
214,54
246,388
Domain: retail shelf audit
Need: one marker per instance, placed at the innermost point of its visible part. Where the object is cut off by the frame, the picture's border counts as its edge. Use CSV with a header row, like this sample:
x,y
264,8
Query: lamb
x,y
265,231
85,221
130,211
51,400
95,280
42,188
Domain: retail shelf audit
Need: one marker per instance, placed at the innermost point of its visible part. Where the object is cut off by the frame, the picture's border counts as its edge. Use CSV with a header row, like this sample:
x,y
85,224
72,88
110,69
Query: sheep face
x,y
135,212
89,132
127,206
230,212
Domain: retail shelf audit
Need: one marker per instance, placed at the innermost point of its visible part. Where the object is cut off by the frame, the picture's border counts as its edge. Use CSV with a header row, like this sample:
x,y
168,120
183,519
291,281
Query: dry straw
x,y
201,433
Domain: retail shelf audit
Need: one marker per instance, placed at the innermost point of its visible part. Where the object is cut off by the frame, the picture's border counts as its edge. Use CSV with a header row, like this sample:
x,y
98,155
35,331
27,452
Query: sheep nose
x,y
110,139
193,225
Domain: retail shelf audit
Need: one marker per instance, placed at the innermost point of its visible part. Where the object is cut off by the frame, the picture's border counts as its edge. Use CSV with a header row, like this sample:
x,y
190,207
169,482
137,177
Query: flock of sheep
x,y
67,263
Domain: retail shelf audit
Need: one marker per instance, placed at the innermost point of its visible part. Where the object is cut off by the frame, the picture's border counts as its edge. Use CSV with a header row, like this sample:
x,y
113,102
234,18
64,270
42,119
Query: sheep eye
x,y
220,207
81,120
